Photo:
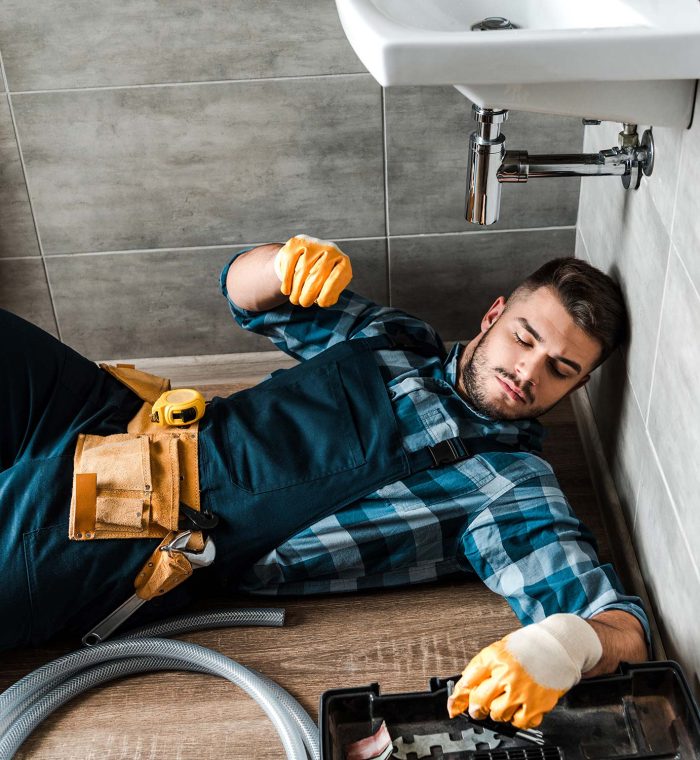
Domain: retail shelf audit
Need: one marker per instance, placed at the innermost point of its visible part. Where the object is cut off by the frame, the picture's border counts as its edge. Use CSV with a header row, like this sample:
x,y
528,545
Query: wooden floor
x,y
398,638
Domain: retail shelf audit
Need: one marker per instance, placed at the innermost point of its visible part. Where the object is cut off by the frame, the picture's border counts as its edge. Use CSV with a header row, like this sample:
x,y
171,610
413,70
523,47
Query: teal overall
x,y
272,460
302,445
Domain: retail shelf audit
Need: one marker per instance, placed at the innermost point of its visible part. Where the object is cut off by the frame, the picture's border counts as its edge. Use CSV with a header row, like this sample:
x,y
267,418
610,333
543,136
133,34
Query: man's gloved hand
x,y
521,677
312,270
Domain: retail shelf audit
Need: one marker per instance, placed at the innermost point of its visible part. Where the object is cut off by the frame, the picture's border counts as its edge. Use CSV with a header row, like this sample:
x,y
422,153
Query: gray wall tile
x,y
167,303
580,248
17,234
629,234
25,292
686,224
669,569
451,280
625,237
52,44
675,404
428,132
621,426
204,164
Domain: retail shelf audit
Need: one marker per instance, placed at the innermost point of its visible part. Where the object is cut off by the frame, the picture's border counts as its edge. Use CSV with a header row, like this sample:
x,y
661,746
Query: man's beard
x,y
475,375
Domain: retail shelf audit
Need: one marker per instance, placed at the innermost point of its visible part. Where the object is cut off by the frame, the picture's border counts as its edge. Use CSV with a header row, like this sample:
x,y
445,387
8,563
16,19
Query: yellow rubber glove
x,y
312,270
521,677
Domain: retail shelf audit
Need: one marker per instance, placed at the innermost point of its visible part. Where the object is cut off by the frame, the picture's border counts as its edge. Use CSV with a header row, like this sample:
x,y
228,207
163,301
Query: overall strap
x,y
450,450
453,450
406,342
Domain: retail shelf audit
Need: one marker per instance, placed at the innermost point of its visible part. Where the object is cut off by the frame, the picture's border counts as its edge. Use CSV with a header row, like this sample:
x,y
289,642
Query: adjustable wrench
x,y
178,544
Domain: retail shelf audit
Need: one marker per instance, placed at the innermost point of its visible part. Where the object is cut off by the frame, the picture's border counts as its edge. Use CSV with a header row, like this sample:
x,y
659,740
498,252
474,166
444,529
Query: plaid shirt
x,y
502,516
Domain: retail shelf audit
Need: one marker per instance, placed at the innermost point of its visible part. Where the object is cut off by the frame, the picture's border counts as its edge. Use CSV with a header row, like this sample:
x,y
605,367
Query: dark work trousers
x,y
48,395
272,460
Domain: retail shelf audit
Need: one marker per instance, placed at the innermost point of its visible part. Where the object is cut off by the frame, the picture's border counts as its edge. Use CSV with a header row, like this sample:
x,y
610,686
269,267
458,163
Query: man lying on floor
x,y
379,460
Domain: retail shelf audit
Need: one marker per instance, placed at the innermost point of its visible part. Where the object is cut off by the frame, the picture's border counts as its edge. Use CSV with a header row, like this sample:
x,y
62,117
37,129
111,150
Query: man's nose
x,y
528,370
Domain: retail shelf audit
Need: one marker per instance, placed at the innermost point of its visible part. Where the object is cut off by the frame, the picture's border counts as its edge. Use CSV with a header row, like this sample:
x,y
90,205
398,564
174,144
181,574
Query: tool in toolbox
x,y
154,580
548,752
181,406
422,745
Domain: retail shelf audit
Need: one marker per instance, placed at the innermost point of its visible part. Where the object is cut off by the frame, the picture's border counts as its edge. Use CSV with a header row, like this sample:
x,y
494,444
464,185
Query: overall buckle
x,y
449,451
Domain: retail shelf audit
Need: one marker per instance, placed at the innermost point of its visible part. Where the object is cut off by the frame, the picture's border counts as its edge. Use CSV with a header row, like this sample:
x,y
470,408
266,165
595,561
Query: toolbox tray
x,y
645,710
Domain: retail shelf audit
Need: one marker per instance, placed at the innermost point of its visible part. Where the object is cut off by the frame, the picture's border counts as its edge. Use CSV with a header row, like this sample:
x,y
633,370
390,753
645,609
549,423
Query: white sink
x,y
619,60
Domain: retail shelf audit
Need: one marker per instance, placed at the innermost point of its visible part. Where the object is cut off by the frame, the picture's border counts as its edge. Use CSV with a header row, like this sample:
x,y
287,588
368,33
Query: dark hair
x,y
592,298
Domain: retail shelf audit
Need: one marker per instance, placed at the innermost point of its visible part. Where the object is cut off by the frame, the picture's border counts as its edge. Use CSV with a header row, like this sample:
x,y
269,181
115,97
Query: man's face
x,y
527,357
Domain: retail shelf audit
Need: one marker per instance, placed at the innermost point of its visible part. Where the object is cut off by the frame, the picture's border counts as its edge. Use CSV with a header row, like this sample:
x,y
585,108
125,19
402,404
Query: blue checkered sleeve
x,y
528,546
305,332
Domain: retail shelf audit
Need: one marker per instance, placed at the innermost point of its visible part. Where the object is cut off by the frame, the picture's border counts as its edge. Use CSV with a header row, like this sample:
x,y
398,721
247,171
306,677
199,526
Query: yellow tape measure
x,y
181,406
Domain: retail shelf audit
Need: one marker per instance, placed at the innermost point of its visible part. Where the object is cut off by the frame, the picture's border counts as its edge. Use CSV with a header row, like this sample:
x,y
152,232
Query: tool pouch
x,y
165,570
130,485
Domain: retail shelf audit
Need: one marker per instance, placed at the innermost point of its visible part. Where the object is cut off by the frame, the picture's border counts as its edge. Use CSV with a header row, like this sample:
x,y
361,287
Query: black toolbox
x,y
645,710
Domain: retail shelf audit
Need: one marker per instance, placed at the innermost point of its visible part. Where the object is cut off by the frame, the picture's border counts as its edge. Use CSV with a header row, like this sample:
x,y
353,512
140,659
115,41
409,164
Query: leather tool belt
x,y
131,485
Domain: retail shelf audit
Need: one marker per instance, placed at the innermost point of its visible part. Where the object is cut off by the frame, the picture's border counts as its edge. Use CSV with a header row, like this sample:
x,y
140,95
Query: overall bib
x,y
310,440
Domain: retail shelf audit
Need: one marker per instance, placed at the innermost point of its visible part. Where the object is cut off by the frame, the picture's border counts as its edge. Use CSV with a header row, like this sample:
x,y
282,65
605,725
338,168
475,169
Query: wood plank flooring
x,y
398,638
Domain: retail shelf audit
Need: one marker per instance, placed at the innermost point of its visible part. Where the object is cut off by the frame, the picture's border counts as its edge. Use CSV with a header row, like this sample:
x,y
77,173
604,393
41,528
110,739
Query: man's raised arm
x,y
304,270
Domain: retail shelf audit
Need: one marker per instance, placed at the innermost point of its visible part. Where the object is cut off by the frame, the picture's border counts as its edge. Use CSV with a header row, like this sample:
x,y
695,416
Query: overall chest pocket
x,y
292,430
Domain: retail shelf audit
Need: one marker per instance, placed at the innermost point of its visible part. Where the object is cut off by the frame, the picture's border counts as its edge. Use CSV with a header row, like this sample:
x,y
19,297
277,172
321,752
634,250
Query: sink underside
x,y
621,60
652,102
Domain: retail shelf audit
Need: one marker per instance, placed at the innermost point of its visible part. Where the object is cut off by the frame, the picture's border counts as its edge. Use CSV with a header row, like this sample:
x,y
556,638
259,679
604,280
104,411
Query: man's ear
x,y
493,313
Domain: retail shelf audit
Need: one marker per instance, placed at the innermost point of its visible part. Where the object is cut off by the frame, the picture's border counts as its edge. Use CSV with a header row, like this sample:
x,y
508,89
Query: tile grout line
x,y
488,232
228,246
658,336
685,269
35,223
150,85
585,245
387,229
679,524
638,487
666,278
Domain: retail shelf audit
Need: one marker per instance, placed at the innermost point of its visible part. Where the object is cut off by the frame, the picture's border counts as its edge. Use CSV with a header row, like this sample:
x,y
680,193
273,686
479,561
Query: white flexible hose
x,y
28,702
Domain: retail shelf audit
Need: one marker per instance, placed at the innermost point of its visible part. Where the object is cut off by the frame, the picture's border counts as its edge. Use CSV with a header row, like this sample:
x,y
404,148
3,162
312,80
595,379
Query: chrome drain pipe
x,y
490,164
486,152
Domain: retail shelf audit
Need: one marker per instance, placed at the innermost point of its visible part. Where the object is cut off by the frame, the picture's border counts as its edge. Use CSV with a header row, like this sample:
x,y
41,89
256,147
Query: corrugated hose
x,y
29,701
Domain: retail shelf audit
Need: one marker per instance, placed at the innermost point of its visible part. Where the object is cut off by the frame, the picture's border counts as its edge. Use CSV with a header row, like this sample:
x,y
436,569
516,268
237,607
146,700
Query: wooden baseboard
x,y
213,369
621,544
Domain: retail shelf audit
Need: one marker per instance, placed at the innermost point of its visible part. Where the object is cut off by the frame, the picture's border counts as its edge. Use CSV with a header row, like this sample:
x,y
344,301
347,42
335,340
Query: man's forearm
x,y
622,639
251,281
